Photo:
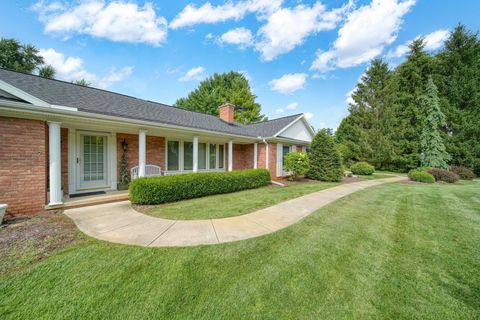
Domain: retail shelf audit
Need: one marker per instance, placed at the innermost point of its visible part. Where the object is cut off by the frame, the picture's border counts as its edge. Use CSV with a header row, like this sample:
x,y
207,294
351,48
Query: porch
x,y
85,158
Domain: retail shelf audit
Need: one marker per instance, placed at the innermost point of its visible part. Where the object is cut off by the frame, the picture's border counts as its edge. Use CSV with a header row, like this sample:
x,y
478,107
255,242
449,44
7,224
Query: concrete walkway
x,y
119,223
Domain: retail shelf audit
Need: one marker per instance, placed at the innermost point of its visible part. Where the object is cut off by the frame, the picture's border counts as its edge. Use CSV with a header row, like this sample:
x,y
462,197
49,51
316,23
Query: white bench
x,y
150,171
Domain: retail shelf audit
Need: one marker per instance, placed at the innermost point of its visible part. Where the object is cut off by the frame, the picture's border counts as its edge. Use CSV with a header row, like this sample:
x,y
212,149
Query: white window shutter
x,y
294,148
279,159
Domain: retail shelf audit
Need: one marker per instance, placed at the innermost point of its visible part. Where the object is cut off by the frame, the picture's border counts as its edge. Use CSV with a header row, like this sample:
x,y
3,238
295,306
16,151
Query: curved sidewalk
x,y
119,223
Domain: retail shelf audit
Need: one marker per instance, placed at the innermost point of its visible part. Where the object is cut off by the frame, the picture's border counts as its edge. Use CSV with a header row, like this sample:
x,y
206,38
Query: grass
x,y
396,251
234,204
374,176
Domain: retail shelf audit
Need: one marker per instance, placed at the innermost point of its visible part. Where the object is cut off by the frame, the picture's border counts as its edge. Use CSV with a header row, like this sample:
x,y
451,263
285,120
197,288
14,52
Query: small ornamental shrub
x,y
424,169
297,163
444,175
421,176
156,190
463,172
362,168
325,161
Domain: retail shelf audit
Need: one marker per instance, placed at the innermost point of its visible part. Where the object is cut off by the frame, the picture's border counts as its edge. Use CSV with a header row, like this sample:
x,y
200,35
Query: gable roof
x,y
98,101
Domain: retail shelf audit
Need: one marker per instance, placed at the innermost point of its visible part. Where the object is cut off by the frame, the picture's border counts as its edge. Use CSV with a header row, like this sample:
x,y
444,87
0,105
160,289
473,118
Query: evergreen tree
x,y
412,75
366,134
431,142
458,79
230,87
325,161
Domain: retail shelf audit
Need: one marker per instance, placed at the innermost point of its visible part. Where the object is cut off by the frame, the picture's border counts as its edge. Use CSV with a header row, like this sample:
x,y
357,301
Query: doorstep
x,y
84,201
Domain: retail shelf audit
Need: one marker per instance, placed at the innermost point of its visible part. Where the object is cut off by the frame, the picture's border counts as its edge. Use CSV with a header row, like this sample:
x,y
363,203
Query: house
x,y
60,139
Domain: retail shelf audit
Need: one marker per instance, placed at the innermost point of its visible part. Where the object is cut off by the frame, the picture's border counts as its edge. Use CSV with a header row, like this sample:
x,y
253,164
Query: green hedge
x,y
421,176
362,168
156,190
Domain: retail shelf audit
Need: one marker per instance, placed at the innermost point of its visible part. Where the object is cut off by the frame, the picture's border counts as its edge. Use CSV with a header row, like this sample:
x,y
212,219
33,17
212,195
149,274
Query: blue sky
x,y
300,56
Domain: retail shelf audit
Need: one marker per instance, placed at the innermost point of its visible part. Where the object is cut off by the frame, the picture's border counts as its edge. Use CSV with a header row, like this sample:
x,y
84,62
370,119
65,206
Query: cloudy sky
x,y
300,56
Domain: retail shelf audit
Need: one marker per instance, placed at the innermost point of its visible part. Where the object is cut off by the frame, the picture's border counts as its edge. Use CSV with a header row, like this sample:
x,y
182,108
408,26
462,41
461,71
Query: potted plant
x,y
124,178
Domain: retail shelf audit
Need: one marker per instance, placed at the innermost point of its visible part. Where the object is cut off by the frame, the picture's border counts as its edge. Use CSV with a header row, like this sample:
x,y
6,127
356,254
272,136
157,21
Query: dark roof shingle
x,y
104,102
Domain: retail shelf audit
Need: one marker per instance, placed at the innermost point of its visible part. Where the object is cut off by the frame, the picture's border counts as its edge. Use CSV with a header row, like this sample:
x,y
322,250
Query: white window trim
x,y
181,157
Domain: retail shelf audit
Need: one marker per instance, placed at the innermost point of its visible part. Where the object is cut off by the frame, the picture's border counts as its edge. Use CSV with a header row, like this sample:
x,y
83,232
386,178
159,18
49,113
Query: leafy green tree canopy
x,y
19,57
82,82
47,72
230,87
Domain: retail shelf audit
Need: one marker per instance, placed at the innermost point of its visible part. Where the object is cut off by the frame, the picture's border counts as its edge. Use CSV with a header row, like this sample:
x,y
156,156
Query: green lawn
x,y
234,204
374,176
396,251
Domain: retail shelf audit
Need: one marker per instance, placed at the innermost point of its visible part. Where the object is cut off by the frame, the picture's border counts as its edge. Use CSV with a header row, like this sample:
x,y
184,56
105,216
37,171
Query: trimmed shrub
x,y
298,163
424,169
156,190
421,176
444,175
325,161
362,168
463,172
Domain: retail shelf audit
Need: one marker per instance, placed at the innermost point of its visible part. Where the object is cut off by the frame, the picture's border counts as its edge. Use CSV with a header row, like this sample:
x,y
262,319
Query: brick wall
x,y
64,148
272,158
155,151
242,156
23,170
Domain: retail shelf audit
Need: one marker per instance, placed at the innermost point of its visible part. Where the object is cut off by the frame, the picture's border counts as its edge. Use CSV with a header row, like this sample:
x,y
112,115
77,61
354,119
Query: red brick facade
x,y
242,156
23,170
155,151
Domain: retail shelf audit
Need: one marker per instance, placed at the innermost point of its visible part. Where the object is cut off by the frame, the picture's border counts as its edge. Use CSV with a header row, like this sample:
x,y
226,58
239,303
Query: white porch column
x,y
255,155
195,154
55,164
142,152
230,155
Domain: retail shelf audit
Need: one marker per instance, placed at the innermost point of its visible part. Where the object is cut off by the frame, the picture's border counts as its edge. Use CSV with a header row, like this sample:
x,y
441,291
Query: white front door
x,y
92,161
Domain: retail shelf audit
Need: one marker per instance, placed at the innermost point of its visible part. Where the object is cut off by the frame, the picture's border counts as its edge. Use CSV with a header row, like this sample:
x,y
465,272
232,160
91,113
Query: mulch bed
x,y
26,240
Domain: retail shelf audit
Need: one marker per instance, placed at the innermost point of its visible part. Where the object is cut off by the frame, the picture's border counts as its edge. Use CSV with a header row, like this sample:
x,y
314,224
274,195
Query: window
x,y
202,156
220,156
173,155
286,150
187,155
213,156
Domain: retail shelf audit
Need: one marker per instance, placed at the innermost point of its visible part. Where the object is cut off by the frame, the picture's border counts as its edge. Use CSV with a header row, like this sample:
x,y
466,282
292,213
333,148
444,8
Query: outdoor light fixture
x,y
124,145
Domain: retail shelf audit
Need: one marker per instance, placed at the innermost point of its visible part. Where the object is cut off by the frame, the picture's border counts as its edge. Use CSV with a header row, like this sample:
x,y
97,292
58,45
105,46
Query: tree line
x,y
426,110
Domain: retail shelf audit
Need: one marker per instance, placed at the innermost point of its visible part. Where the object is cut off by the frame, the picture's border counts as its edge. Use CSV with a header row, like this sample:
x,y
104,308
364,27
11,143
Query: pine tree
x,y
431,142
325,161
230,87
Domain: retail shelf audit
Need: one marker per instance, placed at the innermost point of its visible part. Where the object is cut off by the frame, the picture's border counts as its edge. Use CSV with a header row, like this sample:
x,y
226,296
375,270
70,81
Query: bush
x,y
362,168
444,175
421,176
424,169
298,163
463,172
156,190
476,167
325,161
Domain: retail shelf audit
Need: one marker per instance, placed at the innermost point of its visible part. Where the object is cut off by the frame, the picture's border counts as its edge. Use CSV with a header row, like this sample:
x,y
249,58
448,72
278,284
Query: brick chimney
x,y
226,112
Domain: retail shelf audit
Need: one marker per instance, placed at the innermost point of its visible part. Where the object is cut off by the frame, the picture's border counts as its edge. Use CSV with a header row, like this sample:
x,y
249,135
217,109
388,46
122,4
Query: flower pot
x,y
3,208
122,186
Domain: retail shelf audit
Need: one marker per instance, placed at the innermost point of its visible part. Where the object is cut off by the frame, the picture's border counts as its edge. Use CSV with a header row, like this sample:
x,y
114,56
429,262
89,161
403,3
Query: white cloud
x,y
71,68
197,73
238,36
364,35
289,83
308,115
279,110
433,41
117,20
208,13
287,28
292,106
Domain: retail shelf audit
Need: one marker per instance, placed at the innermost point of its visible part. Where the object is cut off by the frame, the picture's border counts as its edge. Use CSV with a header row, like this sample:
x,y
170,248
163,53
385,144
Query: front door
x,y
92,161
